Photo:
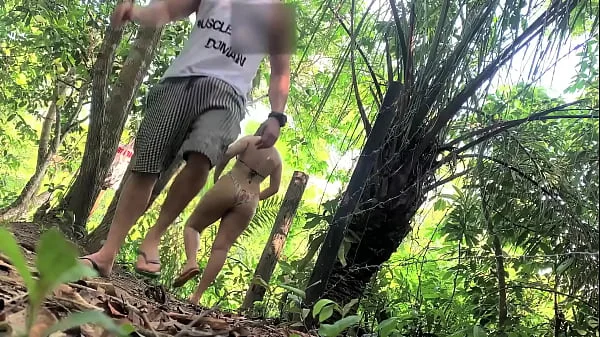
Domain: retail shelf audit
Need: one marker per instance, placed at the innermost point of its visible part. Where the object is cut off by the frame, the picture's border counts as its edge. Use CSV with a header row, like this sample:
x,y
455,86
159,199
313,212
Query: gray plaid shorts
x,y
187,114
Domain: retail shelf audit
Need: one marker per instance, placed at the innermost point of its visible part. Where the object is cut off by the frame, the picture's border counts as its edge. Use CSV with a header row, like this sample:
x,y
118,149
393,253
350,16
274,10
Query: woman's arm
x,y
234,149
274,183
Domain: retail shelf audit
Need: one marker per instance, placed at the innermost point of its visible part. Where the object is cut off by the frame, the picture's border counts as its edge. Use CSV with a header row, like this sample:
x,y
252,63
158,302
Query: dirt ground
x,y
150,309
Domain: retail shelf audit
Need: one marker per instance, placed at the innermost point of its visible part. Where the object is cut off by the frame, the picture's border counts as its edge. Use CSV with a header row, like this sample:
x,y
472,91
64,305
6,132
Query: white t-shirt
x,y
208,50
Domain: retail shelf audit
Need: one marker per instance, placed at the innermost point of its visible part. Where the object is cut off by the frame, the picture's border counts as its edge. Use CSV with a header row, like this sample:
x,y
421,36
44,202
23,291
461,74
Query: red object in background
x,y
119,165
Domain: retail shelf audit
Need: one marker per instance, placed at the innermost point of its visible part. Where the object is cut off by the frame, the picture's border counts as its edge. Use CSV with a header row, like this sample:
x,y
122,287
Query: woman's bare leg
x,y
213,205
232,226
191,240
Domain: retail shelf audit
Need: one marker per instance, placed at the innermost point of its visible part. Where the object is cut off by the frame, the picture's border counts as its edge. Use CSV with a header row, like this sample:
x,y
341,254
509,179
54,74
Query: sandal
x,y
185,276
94,265
151,274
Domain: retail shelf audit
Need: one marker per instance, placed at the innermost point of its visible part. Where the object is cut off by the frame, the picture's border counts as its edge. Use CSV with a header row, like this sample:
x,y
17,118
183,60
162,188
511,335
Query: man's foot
x,y
187,274
102,267
142,268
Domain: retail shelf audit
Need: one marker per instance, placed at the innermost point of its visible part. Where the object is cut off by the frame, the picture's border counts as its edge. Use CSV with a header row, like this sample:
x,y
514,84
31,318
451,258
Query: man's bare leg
x,y
132,203
185,187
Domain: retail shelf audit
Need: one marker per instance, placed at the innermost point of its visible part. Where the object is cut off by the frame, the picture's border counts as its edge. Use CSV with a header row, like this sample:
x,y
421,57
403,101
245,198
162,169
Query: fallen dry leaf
x,y
91,330
116,309
45,319
125,299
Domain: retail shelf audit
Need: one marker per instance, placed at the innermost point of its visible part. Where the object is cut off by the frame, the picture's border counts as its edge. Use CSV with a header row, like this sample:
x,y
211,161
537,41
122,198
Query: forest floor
x,y
153,311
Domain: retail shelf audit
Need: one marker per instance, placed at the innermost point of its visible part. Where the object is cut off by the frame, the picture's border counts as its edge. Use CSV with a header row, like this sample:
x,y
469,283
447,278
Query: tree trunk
x,y
95,239
392,194
45,152
276,242
327,256
106,125
406,161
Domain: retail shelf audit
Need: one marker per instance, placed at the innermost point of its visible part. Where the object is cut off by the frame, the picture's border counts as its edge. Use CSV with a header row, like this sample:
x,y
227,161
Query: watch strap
x,y
280,116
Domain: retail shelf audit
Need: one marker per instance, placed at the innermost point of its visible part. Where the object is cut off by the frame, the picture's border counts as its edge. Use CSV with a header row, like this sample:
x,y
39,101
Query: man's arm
x,y
281,43
274,182
279,88
234,149
279,84
159,12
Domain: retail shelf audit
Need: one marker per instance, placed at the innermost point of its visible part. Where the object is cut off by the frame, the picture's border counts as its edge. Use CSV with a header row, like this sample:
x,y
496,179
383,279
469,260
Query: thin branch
x,y
198,318
44,140
57,131
361,108
577,298
71,123
358,48
533,116
510,167
400,33
515,123
446,180
70,127
534,30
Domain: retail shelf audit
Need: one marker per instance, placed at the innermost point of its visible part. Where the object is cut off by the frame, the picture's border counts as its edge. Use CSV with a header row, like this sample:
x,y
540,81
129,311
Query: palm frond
x,y
265,215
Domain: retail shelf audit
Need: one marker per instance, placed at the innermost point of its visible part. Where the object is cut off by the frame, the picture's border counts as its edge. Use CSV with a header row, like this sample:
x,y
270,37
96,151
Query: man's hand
x,y
122,13
269,134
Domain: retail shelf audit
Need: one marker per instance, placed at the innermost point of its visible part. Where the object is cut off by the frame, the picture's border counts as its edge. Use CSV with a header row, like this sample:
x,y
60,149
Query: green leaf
x,y
21,79
57,262
478,331
341,255
296,291
459,333
349,306
320,305
387,327
325,313
87,317
564,265
259,281
440,205
333,330
10,247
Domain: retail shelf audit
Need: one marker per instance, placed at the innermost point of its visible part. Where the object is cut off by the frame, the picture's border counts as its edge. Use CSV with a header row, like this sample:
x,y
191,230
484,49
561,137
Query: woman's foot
x,y
189,271
195,298
101,264
147,266
148,261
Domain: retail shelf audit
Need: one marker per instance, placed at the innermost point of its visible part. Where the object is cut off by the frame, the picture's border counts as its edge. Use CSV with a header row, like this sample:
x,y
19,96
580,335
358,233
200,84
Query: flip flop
x,y
147,273
94,265
185,276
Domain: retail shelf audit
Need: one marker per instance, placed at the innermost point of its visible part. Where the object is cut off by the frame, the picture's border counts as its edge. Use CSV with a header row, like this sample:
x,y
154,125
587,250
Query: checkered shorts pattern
x,y
187,114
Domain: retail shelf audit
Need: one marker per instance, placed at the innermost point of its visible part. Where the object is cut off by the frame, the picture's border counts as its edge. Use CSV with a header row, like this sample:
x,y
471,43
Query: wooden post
x,y
335,234
276,241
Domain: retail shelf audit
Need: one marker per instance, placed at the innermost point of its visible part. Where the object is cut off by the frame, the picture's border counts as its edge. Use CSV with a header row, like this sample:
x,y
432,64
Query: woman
x,y
233,199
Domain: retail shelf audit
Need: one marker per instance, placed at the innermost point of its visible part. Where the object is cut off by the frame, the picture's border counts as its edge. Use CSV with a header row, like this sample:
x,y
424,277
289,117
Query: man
x,y
233,200
196,109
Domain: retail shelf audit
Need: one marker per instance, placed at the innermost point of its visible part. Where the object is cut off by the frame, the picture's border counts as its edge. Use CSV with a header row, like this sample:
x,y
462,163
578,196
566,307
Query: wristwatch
x,y
280,117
